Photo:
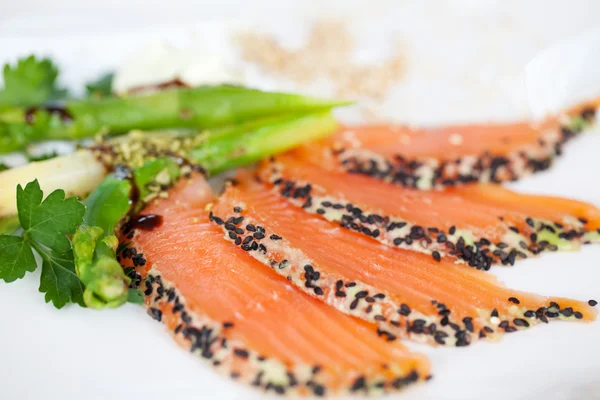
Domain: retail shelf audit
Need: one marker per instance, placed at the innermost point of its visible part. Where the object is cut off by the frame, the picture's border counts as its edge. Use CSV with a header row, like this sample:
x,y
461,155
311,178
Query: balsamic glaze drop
x,y
146,222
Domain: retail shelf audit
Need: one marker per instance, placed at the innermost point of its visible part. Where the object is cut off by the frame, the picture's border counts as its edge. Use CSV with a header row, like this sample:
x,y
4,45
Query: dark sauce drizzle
x,y
60,111
146,222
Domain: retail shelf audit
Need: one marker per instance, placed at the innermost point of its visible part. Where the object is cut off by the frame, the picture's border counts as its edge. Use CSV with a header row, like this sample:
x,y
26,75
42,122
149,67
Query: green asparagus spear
x,y
225,151
195,108
79,173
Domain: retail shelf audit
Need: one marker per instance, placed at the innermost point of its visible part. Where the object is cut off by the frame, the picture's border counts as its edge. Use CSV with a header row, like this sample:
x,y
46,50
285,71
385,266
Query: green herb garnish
x,y
45,225
30,82
102,87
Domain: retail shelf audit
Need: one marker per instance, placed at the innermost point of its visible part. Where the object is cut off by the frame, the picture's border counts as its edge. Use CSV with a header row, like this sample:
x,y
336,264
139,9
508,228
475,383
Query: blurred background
x,y
450,60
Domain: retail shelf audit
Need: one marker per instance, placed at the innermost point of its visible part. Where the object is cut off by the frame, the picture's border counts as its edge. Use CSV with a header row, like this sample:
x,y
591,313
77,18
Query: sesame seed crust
x,y
435,325
210,340
430,173
476,251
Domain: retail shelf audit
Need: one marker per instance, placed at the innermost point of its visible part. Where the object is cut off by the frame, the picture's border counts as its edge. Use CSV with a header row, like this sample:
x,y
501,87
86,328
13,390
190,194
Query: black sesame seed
x,y
186,318
404,310
251,228
237,209
567,312
232,235
318,390
358,384
241,353
178,329
514,300
318,291
468,321
520,322
436,256
592,303
155,313
578,315
275,237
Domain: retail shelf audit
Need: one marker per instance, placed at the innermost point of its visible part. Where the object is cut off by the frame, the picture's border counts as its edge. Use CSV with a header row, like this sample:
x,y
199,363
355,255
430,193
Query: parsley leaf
x,y
16,258
59,280
102,87
31,82
45,226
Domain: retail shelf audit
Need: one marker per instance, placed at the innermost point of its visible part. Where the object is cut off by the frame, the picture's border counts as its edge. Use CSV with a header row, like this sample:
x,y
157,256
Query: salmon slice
x,y
448,156
407,293
247,321
480,224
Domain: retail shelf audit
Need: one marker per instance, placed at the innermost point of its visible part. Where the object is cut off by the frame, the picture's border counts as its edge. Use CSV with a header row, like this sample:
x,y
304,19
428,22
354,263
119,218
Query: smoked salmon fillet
x,y
247,321
480,224
428,158
407,293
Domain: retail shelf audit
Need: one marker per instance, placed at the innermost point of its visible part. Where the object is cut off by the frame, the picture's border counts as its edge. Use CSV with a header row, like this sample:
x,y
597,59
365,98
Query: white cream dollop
x,y
160,62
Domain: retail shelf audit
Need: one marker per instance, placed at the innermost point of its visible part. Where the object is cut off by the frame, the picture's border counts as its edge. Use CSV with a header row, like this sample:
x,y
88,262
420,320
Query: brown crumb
x,y
326,54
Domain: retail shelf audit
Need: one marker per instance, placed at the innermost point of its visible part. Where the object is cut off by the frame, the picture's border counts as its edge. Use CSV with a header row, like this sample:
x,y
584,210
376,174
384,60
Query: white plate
x,y
465,62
